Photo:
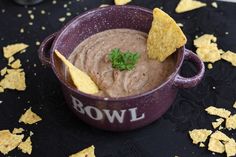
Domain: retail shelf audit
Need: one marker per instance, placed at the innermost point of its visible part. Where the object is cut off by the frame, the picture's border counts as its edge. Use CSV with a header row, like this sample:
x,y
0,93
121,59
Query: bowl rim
x,y
180,58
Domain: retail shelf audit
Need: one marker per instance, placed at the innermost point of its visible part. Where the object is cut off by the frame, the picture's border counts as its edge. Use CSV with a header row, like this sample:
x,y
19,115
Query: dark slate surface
x,y
61,133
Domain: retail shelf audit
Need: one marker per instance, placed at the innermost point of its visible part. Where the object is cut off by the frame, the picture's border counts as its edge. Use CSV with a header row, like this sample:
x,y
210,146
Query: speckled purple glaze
x,y
130,112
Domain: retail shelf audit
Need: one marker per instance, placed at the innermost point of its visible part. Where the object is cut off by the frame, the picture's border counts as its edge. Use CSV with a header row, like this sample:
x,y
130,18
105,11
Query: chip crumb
x,y
17,130
220,136
16,64
22,30
9,141
3,71
230,57
234,105
29,11
43,28
187,5
37,43
30,23
164,37
216,146
221,128
218,122
42,12
29,117
54,2
19,15
199,135
226,33
68,14
31,16
104,5
230,148
88,152
201,145
214,4
10,50
122,2
209,66
180,24
62,19
221,112
231,122
31,133
26,146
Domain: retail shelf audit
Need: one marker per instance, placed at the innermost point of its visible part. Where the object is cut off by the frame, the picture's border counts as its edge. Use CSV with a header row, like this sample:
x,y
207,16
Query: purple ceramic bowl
x,y
115,114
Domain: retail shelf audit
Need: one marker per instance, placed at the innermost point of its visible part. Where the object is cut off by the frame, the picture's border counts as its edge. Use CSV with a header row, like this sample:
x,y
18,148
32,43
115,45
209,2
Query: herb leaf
x,y
123,60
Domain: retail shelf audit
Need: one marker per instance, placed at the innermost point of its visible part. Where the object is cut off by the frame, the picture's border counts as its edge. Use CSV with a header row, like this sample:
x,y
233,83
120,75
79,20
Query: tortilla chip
x,y
29,117
3,71
16,64
220,136
214,4
187,5
231,122
230,57
230,148
81,80
10,50
218,122
26,146
9,141
88,152
215,145
164,37
199,135
17,130
122,2
205,40
221,112
14,80
209,54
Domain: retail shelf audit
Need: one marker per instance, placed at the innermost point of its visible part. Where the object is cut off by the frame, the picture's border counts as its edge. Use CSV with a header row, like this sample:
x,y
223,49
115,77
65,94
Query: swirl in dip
x,y
91,56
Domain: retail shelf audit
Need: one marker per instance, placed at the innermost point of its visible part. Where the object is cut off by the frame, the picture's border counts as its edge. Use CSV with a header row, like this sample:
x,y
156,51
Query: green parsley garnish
x,y
123,60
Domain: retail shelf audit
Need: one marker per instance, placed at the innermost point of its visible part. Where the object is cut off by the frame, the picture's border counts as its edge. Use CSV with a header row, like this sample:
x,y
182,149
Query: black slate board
x,y
61,133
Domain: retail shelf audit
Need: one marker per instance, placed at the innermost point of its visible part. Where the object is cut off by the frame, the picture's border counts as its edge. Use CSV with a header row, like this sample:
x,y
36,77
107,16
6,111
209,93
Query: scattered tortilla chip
x,y
187,5
199,135
221,112
16,64
230,57
10,50
122,2
165,36
215,145
209,54
3,71
81,80
29,117
10,60
17,130
205,40
180,24
220,136
218,122
209,66
230,148
9,141
214,4
231,122
26,146
88,152
13,80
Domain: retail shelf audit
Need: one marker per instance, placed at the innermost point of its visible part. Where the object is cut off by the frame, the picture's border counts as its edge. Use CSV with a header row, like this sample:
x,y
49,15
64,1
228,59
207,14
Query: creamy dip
x,y
91,56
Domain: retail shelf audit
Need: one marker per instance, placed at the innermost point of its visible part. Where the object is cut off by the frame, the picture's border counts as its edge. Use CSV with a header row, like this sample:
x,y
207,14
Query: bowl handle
x,y
44,49
184,82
